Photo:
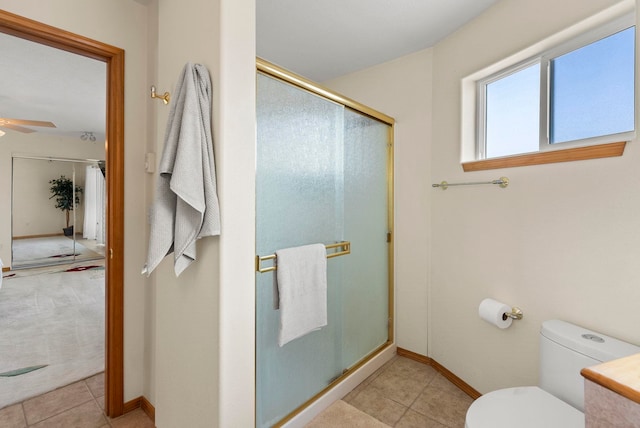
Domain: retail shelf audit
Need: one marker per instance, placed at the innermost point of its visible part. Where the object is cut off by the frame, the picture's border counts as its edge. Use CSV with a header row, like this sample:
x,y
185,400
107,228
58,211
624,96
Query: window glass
x,y
592,89
579,93
513,113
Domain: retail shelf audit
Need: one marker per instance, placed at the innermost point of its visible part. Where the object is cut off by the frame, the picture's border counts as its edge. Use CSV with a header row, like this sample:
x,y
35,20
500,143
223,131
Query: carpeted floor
x,y
52,317
49,250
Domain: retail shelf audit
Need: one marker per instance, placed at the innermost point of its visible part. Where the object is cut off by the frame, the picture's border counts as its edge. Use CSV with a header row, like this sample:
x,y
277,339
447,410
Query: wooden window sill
x,y
554,156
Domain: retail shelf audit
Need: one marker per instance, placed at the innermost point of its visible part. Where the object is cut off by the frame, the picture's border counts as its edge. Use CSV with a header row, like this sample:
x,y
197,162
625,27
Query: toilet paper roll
x,y
493,312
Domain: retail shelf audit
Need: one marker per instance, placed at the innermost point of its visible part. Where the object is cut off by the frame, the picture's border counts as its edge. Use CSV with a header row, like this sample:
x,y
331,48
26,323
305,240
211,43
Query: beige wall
x,y
186,309
122,23
562,241
203,321
33,212
402,89
188,341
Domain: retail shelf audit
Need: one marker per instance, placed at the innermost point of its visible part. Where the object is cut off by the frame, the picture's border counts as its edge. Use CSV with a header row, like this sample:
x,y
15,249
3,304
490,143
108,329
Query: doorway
x,y
113,57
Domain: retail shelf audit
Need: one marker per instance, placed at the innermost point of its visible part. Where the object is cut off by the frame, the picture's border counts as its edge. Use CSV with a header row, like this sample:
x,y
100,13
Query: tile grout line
x,y
442,391
369,384
94,397
63,411
104,414
407,408
95,400
418,396
429,384
24,414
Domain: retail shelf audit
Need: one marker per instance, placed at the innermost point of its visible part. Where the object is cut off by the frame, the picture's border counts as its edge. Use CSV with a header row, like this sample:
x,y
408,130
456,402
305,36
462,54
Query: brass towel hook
x,y
165,97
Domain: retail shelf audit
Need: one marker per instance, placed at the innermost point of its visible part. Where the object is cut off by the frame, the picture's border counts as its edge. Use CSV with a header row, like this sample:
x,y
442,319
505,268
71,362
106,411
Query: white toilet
x,y
565,349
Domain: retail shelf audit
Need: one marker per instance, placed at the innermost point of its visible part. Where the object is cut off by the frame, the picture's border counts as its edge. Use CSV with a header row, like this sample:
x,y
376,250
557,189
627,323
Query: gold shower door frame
x,y
274,71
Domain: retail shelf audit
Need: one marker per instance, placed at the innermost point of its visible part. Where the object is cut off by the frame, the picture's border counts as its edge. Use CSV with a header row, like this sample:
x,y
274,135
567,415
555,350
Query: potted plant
x,y
63,190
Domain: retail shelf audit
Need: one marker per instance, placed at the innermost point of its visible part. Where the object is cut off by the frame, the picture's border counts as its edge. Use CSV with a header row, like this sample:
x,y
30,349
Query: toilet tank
x,y
565,349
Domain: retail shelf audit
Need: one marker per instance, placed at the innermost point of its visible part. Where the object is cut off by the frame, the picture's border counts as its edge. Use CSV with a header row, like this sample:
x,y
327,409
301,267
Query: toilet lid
x,y
523,407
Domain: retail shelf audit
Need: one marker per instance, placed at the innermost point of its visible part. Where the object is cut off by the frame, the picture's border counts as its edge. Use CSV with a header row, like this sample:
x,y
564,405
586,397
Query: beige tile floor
x,y
79,405
403,393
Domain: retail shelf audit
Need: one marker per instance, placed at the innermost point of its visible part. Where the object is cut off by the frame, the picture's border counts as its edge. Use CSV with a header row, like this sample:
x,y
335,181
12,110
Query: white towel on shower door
x,y
302,289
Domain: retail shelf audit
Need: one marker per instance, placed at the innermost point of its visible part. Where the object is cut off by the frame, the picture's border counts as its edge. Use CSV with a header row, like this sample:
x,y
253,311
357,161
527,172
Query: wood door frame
x,y
114,146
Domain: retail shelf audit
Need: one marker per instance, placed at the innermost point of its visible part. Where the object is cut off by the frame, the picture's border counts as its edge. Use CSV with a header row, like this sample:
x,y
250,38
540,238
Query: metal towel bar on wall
x,y
502,182
345,248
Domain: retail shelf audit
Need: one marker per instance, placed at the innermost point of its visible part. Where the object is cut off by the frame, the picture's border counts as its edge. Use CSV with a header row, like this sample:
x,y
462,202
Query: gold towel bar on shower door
x,y
344,246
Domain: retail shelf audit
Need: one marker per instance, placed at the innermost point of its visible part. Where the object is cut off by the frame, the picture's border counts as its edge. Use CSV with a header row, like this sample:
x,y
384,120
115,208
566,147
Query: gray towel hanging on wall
x,y
186,204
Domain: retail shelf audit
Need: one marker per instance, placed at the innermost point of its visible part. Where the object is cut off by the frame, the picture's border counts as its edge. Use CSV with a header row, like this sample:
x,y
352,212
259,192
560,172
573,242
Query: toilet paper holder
x,y
516,314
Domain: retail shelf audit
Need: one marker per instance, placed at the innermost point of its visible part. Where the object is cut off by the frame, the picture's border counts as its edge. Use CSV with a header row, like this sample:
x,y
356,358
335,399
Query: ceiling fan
x,y
19,124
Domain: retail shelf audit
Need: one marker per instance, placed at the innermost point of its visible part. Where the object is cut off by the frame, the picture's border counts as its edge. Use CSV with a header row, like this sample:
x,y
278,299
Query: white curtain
x,y
94,206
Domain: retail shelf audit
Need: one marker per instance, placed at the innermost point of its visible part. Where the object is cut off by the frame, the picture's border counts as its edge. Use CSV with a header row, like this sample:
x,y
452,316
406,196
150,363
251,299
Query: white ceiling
x,y
39,82
323,39
318,39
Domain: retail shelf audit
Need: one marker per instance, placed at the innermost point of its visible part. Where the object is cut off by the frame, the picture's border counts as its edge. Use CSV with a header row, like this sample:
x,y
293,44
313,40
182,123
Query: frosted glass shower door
x,y
321,177
299,151
365,281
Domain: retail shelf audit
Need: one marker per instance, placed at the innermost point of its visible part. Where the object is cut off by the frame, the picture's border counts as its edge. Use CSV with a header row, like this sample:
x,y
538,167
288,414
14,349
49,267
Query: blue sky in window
x,y
513,112
592,89
592,94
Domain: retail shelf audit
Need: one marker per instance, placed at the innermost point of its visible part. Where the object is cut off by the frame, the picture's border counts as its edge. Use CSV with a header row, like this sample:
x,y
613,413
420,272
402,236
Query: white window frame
x,y
544,59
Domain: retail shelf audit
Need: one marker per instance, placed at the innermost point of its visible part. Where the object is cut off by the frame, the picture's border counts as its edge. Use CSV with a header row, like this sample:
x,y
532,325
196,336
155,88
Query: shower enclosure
x,y
323,175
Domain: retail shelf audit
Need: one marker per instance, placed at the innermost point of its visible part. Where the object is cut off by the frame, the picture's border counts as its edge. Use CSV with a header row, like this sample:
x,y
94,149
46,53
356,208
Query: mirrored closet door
x,y
58,211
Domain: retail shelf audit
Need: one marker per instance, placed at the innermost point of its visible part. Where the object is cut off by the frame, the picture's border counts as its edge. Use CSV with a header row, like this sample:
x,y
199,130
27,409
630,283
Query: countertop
x,y
621,376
